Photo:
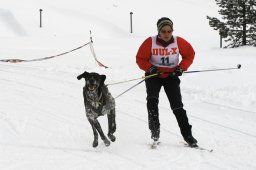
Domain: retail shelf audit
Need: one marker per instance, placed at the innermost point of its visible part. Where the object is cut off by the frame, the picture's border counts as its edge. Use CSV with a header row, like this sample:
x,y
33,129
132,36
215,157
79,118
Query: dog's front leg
x,y
112,125
103,137
95,133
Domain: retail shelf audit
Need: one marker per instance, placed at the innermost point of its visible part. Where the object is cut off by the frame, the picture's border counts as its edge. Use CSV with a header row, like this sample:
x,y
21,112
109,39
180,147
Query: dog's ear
x,y
103,78
84,75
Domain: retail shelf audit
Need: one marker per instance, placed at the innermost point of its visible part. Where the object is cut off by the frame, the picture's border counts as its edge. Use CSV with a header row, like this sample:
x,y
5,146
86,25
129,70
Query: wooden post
x,y
40,10
131,20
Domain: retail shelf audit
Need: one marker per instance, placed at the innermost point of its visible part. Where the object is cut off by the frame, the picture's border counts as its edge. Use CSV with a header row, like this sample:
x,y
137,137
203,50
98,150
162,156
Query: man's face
x,y
166,33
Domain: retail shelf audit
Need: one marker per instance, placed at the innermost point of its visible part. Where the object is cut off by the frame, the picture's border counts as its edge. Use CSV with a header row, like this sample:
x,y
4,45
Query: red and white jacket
x,y
151,52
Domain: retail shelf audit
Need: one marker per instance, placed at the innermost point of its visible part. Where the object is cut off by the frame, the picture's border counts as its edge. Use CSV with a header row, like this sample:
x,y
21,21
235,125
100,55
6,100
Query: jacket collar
x,y
159,41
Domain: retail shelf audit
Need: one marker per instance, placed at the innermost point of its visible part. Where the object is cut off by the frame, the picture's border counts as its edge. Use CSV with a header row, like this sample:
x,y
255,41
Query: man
x,y
159,55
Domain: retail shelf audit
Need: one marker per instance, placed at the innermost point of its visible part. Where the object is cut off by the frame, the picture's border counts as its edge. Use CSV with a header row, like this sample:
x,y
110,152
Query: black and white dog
x,y
98,101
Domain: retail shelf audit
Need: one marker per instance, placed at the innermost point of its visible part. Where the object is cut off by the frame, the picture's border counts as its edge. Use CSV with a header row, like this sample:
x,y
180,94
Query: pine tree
x,y
239,22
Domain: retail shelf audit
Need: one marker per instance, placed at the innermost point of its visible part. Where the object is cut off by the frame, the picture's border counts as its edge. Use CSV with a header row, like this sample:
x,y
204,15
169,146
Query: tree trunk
x,y
244,25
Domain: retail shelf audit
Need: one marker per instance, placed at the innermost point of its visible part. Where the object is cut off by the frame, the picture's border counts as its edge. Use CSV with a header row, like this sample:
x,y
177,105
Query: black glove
x,y
178,71
154,70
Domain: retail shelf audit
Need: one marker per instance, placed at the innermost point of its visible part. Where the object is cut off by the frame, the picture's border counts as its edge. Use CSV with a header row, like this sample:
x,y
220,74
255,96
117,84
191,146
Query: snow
x,y
42,116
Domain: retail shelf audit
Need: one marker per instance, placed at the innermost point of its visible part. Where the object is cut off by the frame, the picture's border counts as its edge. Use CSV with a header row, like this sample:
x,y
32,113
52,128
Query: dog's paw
x,y
106,142
95,143
112,137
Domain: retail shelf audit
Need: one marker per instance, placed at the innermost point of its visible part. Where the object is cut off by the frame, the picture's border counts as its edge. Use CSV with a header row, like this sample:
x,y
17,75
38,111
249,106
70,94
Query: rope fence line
x,y
95,58
53,56
43,58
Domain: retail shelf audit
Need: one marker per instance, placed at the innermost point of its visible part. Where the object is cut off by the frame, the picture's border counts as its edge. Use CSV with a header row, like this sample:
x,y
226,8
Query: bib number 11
x,y
165,60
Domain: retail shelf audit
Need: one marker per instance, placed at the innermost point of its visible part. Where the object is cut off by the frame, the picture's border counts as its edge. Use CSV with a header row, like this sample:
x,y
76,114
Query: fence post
x,y
131,20
40,10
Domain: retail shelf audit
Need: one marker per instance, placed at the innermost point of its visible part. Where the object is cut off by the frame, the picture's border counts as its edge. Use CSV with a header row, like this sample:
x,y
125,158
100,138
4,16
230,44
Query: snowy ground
x,y
42,119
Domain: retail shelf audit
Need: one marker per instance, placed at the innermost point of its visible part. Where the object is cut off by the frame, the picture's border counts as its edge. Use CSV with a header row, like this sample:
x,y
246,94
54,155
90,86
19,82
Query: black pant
x,y
172,89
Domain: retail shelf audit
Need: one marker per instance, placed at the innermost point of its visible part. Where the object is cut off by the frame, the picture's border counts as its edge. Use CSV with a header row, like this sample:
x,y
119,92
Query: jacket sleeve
x,y
187,52
144,54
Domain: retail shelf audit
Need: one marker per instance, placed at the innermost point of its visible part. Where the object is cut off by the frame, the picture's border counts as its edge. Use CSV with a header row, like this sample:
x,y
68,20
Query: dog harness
x,y
98,104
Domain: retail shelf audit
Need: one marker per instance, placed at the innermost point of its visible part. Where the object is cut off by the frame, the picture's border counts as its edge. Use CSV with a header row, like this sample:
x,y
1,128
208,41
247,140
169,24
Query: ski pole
x,y
144,78
238,67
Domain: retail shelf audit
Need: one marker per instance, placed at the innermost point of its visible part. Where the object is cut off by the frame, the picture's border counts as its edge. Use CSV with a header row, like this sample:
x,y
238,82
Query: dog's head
x,y
92,80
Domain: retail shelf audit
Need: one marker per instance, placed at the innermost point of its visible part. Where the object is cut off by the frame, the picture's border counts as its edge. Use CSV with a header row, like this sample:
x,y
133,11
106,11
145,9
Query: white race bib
x,y
167,57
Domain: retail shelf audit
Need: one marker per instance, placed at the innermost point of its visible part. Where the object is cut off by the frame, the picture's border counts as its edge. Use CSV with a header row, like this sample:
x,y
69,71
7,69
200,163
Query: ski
x,y
198,147
155,144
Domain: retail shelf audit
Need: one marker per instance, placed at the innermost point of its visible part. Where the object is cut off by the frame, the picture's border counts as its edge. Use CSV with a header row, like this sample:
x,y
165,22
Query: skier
x,y
159,55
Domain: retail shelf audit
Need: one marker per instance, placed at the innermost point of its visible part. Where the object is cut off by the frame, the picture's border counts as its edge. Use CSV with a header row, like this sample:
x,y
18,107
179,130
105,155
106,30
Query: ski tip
x,y
155,144
196,146
193,145
153,147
